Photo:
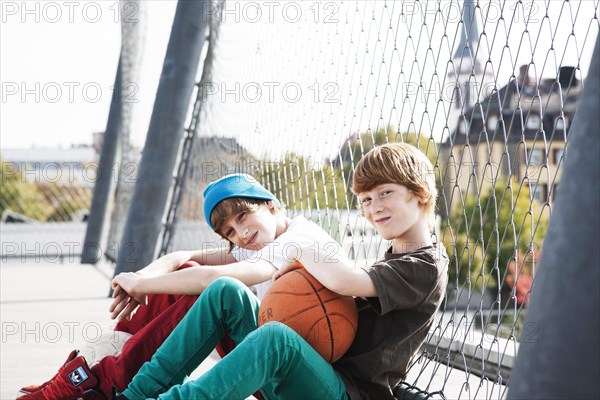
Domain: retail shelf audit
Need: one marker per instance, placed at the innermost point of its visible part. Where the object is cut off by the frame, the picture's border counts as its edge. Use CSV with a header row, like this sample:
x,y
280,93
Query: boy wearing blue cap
x,y
261,240
397,299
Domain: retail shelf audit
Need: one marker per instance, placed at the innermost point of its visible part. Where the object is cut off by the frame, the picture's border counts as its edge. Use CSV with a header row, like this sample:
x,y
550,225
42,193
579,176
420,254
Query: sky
x,y
376,54
58,61
57,67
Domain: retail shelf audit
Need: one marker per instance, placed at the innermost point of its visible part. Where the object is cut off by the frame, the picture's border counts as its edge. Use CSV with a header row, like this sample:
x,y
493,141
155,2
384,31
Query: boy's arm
x,y
335,274
190,281
125,302
194,280
173,261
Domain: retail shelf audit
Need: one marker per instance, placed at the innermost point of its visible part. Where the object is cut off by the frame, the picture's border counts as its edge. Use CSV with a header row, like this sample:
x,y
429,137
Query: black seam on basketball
x,y
290,293
297,313
324,312
329,300
345,318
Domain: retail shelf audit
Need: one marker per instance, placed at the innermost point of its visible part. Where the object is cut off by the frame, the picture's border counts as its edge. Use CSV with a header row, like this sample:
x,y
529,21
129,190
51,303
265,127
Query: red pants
x,y
150,326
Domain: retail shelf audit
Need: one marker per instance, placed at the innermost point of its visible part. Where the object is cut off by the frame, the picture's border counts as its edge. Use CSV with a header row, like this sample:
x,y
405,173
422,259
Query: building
x,y
73,166
519,131
468,74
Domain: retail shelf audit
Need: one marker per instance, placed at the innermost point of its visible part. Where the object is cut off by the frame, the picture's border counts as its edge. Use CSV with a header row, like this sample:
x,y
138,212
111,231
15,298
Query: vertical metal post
x,y
144,218
116,136
559,351
105,184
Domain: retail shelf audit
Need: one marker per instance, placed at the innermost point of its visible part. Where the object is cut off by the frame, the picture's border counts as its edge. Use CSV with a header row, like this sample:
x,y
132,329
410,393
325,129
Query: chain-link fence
x,y
295,93
299,91
46,193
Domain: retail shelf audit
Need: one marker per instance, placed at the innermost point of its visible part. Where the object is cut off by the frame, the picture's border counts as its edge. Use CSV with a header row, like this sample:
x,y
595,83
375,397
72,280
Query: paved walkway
x,y
48,308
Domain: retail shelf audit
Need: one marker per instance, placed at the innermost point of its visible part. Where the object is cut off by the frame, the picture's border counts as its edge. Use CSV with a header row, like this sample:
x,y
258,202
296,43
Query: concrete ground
x,y
49,307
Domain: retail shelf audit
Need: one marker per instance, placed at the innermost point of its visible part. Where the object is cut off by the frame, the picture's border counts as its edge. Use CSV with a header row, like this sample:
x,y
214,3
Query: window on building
x,y
533,121
456,94
536,157
562,123
558,155
539,192
462,126
491,122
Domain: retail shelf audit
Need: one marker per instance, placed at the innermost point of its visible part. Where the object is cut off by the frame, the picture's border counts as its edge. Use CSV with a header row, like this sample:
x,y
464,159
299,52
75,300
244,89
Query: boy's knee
x,y
226,290
274,334
225,283
276,327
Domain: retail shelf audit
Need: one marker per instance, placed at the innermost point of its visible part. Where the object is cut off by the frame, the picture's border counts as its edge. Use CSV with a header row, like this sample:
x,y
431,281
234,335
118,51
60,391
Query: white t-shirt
x,y
301,235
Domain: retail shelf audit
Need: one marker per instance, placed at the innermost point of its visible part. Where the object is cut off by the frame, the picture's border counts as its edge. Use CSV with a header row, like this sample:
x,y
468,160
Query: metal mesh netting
x,y
299,91
184,223
132,42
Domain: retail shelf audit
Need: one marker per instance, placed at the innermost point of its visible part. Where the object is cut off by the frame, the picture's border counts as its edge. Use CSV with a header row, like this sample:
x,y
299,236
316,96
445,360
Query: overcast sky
x,y
58,61
57,65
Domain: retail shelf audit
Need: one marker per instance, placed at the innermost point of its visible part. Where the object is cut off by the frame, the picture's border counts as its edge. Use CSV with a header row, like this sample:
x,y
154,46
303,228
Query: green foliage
x,y
303,184
20,196
67,201
40,201
465,257
358,145
490,232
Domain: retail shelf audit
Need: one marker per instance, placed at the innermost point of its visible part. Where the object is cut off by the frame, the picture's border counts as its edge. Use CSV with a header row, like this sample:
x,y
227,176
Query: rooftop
x,y
46,155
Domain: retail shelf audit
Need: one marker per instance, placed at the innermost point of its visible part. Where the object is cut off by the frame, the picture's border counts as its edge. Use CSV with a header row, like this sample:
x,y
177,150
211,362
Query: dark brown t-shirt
x,y
393,325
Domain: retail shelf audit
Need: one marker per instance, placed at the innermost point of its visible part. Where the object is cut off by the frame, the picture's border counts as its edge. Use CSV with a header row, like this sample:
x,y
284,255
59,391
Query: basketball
x,y
326,320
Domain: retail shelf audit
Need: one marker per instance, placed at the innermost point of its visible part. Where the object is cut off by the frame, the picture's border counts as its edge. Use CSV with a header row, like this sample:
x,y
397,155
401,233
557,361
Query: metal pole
x,y
144,219
105,184
116,135
559,354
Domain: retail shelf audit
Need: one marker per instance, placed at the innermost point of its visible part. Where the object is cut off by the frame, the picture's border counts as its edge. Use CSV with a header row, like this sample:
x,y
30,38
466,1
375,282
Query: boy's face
x,y
395,212
252,230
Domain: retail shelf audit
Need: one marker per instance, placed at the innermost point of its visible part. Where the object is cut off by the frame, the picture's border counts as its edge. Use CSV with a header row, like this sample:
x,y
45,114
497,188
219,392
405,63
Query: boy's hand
x,y
123,306
126,298
285,269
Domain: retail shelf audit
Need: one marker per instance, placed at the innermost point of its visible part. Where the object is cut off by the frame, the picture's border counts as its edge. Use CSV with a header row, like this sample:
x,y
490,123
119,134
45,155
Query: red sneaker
x,y
35,388
74,381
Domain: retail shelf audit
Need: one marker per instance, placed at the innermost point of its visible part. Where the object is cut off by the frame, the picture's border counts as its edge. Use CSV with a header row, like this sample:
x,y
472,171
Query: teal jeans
x,y
272,358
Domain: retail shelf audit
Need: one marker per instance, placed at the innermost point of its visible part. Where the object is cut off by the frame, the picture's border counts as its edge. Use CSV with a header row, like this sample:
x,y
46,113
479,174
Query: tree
x,y
358,145
306,185
492,235
303,183
66,200
44,201
20,196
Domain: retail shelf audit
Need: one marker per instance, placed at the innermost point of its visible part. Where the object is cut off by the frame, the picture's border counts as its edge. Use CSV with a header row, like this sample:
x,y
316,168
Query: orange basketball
x,y
326,320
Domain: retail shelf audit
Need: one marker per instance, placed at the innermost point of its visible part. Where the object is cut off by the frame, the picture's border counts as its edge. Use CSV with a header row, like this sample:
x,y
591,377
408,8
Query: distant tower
x,y
466,71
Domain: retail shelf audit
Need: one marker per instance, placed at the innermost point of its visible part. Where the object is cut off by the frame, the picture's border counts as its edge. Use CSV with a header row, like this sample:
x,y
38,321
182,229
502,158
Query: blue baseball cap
x,y
233,185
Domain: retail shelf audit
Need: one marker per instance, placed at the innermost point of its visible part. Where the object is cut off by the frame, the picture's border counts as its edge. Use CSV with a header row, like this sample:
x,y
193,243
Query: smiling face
x,y
397,214
253,230
402,164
